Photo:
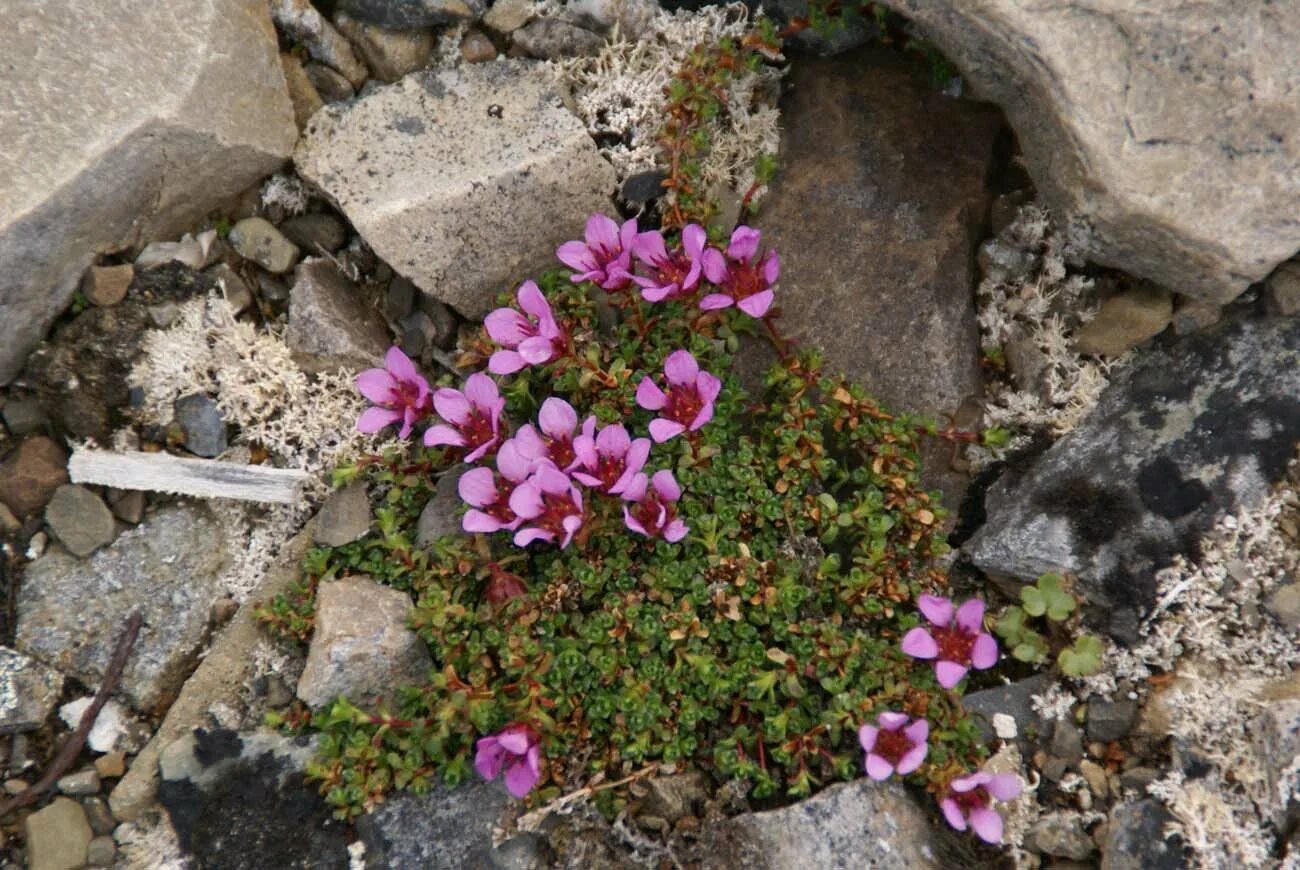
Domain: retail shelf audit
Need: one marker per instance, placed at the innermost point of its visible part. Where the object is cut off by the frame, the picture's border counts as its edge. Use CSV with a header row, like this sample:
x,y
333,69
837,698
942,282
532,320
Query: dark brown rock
x,y
877,215
31,474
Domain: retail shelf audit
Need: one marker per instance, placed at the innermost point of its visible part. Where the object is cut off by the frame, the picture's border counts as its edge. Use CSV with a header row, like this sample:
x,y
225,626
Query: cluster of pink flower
x,y
898,744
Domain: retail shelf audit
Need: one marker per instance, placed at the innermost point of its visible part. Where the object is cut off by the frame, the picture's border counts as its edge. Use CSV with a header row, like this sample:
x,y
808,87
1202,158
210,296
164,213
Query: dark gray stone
x,y
522,852
1110,720
344,517
439,516
1136,839
446,829
23,416
80,519
329,324
1014,700
1067,742
258,240
239,801
98,814
315,232
1187,433
1061,835
203,425
643,187
551,39
406,14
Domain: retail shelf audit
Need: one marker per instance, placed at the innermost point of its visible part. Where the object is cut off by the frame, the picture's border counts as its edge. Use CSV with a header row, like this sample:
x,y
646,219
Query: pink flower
x,y
606,255
529,341
893,745
652,513
488,493
673,273
687,405
516,750
969,801
550,504
474,417
557,420
398,391
608,461
745,277
955,640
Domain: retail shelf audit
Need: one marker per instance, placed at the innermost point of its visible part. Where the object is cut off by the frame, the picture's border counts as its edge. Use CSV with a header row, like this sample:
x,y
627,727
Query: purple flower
x,y
529,341
687,405
608,461
969,801
474,417
557,420
954,639
651,512
488,493
746,278
606,255
516,750
398,391
673,273
550,505
895,744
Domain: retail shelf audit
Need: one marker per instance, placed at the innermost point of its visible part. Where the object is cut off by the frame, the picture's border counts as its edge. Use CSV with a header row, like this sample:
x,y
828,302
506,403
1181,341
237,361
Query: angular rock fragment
x,y
30,475
28,691
465,172
446,829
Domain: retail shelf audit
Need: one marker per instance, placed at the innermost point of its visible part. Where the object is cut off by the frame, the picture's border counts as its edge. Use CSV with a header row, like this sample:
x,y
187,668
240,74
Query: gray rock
x,y
240,799
57,836
405,14
299,20
1161,131
107,285
83,782
399,298
126,504
30,475
446,829
70,611
361,648
331,86
1284,604
551,39
1137,838
446,325
522,852
673,797
417,331
856,131
204,427
631,17
101,852
1283,289
232,286
28,691
1110,720
1067,742
1193,315
507,16
258,240
1126,320
188,251
134,147
97,813
1062,835
850,825
1014,700
23,416
1276,737
306,100
1002,262
1185,434
475,47
439,516
390,54
80,519
316,232
329,325
460,200
344,517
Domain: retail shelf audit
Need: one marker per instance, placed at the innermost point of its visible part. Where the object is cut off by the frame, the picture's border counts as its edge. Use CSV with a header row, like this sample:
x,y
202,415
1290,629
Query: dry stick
x,y
77,739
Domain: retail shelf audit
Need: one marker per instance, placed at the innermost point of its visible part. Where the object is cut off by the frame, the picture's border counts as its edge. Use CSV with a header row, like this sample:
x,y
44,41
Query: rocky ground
x,y
205,234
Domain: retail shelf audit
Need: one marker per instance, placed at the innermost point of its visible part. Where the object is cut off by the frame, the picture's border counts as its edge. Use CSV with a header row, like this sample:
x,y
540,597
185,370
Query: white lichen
x,y
287,191
150,843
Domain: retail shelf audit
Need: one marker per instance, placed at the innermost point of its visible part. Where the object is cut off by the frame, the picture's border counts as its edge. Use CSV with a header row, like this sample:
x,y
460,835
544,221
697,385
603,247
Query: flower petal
x,y
715,301
987,824
400,365
913,758
557,418
374,419
867,735
666,485
694,238
508,327
438,435
919,644
602,231
952,812
532,301
877,767
477,521
378,386
918,731
744,244
708,386
937,610
715,269
891,721
482,391
613,441
970,615
758,304
635,489
506,362
488,757
681,368
649,396
1004,786
649,247
520,779
949,674
633,523
537,350
675,531
526,500
970,781
515,739
984,654
772,268
576,255
526,536
661,430
452,405
477,487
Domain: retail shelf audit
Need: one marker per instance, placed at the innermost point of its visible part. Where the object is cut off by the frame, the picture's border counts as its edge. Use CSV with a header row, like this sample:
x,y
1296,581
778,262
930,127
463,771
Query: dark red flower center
x,y
744,280
560,450
892,745
477,430
974,799
646,512
609,469
500,509
684,404
673,269
407,395
954,642
555,509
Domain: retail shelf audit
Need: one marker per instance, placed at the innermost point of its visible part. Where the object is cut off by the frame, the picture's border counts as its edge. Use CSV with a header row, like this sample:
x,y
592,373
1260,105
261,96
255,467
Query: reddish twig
x,y
72,746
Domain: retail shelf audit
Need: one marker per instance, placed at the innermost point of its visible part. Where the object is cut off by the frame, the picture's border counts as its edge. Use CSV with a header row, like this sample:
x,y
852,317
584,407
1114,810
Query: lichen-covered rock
x,y
28,691
1164,129
183,107
1138,837
465,174
446,829
362,648
1186,434
71,611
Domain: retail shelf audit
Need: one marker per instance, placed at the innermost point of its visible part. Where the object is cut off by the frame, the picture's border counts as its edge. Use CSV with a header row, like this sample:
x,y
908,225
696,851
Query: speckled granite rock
x,y
465,174
28,691
446,829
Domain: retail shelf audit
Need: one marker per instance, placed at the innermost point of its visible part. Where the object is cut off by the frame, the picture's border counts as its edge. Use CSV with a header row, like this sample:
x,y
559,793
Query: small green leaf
x,y
1032,601
1082,659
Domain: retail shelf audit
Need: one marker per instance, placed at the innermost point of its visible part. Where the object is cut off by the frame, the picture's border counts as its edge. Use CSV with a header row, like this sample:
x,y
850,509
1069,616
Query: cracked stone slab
x,y
464,181
1166,130
123,123
1185,435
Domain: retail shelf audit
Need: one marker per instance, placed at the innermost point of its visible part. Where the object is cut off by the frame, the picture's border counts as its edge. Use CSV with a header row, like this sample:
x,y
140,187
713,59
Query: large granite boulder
x,y
121,123
456,178
1186,434
1165,129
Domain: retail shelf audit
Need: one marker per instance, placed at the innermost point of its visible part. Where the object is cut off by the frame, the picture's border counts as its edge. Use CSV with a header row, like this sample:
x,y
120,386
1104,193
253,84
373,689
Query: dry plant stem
x,y
529,821
77,739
